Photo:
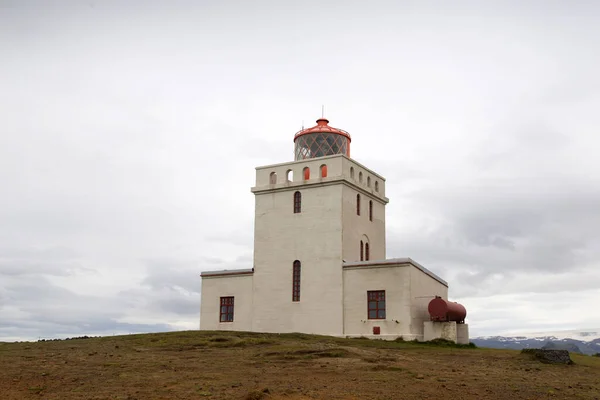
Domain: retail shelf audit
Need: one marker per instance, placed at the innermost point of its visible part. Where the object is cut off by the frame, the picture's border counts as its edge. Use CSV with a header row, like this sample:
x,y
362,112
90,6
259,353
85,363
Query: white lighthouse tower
x,y
319,253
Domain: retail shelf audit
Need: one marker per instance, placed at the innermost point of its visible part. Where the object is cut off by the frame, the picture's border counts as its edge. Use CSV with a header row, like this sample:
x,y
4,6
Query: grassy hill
x,y
234,365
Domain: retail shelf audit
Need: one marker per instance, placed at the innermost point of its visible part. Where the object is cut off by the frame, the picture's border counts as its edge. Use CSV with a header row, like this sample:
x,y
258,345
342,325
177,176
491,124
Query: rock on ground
x,y
550,356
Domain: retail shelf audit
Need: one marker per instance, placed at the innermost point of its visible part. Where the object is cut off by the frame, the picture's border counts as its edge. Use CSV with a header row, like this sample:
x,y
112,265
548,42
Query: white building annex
x,y
320,254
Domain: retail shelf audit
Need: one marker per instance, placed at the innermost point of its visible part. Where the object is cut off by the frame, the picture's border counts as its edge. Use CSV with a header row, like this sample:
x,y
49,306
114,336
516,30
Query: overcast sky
x,y
130,131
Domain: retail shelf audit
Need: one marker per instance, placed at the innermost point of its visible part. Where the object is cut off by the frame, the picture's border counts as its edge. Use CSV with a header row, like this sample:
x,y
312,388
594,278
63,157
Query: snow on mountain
x,y
586,341
584,335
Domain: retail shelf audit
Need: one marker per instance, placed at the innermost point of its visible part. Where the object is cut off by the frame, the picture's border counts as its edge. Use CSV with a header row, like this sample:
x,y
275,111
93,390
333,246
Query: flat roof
x,y
227,272
394,262
390,262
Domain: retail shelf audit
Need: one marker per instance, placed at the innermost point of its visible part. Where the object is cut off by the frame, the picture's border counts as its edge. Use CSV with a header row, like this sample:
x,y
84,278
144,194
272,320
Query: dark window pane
x,y
381,314
372,305
296,269
382,305
297,202
372,314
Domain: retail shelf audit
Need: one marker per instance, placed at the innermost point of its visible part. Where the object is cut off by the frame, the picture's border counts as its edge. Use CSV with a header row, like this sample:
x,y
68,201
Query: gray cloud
x,y
487,231
173,275
48,261
128,150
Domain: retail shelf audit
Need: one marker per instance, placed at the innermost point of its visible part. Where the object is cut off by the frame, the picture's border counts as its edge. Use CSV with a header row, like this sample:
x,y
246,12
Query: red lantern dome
x,y
321,140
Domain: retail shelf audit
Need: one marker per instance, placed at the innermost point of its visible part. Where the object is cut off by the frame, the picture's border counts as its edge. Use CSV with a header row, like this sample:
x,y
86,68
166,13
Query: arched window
x,y
296,281
368,181
323,171
352,172
273,178
306,173
289,175
297,202
358,204
360,177
361,251
370,210
376,186
366,251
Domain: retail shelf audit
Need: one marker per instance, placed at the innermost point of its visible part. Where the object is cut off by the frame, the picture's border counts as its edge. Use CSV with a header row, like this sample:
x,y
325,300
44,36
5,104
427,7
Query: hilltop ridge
x,y
242,365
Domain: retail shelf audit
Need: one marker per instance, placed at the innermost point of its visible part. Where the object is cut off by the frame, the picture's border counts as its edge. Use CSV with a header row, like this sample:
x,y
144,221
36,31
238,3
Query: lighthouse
x,y
320,261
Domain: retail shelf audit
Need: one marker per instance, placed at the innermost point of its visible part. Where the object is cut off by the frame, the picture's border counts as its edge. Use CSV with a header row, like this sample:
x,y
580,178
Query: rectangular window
x,y
297,202
226,312
296,281
361,251
376,304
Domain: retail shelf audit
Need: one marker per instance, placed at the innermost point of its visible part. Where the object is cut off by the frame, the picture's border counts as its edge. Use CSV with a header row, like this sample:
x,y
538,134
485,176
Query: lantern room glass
x,y
320,144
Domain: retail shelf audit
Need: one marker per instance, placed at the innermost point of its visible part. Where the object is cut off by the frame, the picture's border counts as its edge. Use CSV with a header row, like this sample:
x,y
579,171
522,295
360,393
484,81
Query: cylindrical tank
x,y
321,140
446,311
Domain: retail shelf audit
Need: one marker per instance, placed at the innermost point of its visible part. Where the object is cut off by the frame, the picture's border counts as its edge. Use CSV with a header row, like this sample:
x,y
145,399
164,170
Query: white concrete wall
x,y
395,281
314,238
334,169
439,330
213,288
325,232
371,181
338,167
408,292
423,289
359,227
355,227
462,333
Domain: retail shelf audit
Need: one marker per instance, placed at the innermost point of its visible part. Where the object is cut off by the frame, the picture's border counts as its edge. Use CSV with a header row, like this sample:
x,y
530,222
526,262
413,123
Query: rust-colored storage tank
x,y
446,311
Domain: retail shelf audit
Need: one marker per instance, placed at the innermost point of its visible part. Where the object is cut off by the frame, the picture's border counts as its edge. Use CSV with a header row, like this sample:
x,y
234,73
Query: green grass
x,y
588,361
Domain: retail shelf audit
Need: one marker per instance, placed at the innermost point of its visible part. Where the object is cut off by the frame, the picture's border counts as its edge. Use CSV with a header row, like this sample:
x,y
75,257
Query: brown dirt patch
x,y
195,365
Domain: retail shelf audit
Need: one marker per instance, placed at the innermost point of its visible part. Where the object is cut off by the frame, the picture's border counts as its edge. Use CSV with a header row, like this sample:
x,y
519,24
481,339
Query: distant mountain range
x,y
583,341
